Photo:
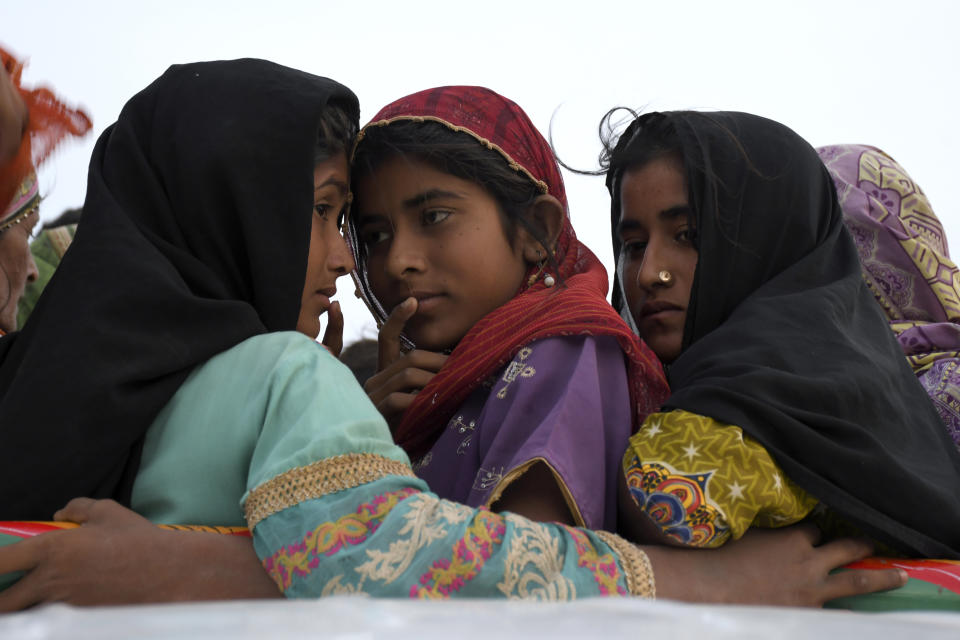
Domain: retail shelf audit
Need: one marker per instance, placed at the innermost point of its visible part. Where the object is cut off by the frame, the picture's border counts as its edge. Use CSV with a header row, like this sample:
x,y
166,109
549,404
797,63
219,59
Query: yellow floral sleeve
x,y
704,482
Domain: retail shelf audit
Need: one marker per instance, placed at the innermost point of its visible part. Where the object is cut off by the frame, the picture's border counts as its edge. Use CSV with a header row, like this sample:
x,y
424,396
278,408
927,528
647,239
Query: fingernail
x,y
409,302
904,576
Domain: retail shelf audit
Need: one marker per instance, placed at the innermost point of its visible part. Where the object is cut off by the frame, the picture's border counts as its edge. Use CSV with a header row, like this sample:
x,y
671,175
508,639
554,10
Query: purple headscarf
x,y
906,264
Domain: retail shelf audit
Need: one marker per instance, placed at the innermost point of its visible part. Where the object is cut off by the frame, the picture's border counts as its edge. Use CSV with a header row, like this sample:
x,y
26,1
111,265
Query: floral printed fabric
x,y
703,482
388,538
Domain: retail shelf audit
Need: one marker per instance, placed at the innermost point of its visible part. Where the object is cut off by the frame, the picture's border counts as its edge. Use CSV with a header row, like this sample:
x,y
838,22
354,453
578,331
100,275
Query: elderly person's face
x,y
16,268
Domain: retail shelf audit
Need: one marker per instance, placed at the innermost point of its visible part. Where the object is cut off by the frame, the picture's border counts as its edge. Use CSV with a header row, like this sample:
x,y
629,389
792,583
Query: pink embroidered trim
x,y
300,559
604,567
470,553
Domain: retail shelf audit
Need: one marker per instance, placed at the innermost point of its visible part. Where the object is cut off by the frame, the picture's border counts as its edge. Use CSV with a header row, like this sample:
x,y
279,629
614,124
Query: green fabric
x,y
7,579
915,595
47,258
225,419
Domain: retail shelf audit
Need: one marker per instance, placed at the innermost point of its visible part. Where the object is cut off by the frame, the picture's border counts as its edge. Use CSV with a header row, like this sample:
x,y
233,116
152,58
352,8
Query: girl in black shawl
x,y
790,395
195,237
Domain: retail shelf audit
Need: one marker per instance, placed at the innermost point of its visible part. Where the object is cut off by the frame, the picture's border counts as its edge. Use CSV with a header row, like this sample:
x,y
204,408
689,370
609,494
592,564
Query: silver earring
x,y
548,279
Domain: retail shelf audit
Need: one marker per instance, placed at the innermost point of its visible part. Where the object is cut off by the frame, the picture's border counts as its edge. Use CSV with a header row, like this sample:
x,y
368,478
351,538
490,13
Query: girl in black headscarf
x,y
790,395
196,234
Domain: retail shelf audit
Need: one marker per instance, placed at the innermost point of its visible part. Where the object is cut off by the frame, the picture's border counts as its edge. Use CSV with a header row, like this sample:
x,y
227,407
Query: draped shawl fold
x,y
785,340
195,237
578,307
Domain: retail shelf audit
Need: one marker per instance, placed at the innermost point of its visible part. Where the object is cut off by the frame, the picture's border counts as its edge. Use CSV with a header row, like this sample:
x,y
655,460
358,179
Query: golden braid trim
x,y
635,564
317,480
22,215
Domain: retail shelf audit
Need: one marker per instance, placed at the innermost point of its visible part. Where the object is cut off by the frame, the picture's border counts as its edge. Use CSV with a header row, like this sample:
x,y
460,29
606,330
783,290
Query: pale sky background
x,y
878,72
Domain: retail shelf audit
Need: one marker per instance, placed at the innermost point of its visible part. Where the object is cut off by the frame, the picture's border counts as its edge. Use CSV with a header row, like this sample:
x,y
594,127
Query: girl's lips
x,y
658,307
659,315
427,302
657,311
324,295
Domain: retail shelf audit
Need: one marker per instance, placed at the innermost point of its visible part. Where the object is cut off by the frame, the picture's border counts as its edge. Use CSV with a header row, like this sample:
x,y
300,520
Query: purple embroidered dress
x,y
562,402
906,264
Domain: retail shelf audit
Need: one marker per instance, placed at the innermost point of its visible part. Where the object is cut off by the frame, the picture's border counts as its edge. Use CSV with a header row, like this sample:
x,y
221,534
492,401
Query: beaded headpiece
x,y
25,201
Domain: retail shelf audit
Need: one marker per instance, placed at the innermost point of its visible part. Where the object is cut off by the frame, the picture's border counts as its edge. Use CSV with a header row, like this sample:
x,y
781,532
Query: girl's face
x,y
329,257
655,234
17,267
440,239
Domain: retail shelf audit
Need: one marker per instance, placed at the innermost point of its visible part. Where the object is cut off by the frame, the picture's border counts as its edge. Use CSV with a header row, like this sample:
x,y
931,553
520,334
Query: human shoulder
x,y
570,344
260,361
581,353
270,350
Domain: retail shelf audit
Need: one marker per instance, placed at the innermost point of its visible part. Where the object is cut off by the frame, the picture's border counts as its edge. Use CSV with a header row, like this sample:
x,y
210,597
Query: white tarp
x,y
359,617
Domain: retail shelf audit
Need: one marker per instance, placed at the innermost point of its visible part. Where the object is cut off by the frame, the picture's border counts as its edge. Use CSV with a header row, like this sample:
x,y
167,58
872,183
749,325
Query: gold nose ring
x,y
665,277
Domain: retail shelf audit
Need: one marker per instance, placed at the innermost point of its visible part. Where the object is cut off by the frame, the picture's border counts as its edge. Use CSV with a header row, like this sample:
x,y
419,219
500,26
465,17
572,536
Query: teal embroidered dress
x,y
280,426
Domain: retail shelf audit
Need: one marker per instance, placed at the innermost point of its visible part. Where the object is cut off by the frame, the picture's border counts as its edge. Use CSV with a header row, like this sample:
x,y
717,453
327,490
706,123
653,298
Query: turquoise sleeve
x,y
389,538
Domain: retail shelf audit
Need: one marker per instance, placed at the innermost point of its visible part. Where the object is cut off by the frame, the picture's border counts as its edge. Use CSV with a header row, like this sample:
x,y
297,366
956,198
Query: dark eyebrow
x,y
675,212
431,194
667,214
627,225
339,184
409,203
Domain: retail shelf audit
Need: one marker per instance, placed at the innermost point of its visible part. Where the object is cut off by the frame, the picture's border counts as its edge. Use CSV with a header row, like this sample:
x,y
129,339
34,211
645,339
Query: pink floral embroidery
x,y
301,558
604,567
470,553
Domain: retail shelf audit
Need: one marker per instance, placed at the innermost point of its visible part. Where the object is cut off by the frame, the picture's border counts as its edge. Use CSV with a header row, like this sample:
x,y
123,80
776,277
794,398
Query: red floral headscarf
x,y
578,306
50,121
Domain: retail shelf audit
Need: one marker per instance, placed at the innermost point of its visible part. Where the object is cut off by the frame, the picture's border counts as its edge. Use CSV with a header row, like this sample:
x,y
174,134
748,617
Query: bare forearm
x,y
211,567
118,557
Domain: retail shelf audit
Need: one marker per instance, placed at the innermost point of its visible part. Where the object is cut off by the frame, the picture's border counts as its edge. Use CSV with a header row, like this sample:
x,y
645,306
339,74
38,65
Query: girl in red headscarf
x,y
520,384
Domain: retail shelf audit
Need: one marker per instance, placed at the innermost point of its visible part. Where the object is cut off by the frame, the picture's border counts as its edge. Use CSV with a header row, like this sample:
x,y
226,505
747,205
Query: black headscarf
x,y
783,339
195,237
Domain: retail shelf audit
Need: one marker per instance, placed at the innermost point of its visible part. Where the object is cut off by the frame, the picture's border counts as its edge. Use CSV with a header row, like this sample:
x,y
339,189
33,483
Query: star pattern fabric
x,y
703,482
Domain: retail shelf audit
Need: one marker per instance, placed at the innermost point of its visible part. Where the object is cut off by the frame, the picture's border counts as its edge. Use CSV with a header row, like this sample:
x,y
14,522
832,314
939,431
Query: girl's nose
x,y
405,256
32,272
654,270
339,257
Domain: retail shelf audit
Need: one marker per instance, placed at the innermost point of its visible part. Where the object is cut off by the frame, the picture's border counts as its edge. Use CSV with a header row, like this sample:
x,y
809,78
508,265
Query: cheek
x,y
375,267
380,283
490,247
323,243
689,273
631,289
12,261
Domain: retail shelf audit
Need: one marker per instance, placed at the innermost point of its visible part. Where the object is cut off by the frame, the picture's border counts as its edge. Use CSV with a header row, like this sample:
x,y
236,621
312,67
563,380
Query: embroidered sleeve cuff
x,y
635,564
317,480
